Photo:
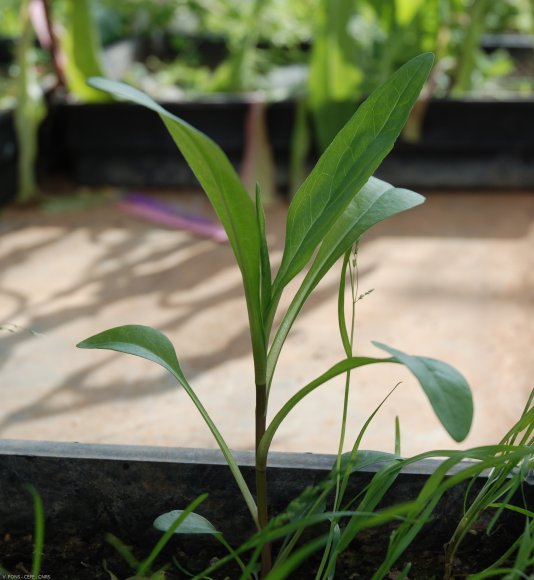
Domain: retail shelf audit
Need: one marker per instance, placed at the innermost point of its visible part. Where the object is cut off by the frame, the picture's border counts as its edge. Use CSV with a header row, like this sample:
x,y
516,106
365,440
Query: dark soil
x,y
83,558
84,498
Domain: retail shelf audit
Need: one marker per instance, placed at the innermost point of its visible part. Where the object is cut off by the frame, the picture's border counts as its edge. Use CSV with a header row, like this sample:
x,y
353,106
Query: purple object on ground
x,y
159,212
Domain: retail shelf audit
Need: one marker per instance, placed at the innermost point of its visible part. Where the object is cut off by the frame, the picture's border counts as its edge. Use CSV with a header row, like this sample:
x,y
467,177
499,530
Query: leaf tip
x,y
96,83
428,56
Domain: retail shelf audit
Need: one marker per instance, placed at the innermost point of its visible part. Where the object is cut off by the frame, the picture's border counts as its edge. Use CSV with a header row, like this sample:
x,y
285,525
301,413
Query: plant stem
x,y
54,48
261,475
463,82
452,545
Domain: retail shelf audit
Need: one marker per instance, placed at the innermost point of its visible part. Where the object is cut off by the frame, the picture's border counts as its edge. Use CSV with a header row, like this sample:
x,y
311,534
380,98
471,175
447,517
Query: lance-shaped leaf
x,y
347,164
225,191
151,344
446,389
376,201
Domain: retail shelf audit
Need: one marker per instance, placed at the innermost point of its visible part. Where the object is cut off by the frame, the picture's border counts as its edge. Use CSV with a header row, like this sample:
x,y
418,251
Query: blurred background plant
x,y
325,54
357,45
204,46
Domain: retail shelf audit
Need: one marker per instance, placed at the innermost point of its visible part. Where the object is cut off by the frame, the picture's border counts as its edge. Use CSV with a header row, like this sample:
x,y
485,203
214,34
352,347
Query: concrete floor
x,y
453,279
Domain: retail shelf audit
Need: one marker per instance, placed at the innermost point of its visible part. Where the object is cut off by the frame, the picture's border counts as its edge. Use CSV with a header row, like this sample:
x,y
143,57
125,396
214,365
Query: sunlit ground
x,y
453,279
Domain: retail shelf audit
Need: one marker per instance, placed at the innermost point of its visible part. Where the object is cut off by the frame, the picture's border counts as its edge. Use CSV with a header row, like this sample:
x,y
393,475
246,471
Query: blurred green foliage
x,y
359,43
10,24
204,46
280,23
328,53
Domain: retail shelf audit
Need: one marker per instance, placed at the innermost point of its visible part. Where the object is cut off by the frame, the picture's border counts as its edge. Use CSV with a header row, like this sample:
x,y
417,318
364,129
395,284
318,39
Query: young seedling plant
x,y
338,202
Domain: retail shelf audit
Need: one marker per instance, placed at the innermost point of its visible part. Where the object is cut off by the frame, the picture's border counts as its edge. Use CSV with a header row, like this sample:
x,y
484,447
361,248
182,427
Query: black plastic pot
x,y
519,46
471,144
7,50
90,490
49,156
8,158
475,144
127,145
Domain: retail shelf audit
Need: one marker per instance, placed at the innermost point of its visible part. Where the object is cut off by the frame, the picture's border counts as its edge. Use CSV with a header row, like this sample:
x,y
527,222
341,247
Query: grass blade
x,y
39,523
336,370
124,550
286,568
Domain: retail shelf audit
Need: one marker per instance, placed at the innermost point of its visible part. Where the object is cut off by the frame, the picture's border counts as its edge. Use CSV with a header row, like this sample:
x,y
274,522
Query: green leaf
x,y
355,448
192,524
79,41
366,458
342,323
141,341
336,370
265,262
406,11
376,201
336,77
227,195
30,108
169,531
374,493
347,164
446,389
151,344
39,530
124,550
304,553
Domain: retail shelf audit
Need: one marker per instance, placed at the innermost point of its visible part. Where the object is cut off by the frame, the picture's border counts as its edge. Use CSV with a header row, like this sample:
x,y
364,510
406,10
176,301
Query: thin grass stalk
x,y
499,484
350,265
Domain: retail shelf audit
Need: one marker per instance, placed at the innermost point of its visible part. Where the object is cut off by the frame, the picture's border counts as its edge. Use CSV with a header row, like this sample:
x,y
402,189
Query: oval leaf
x,y
446,389
141,341
192,524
